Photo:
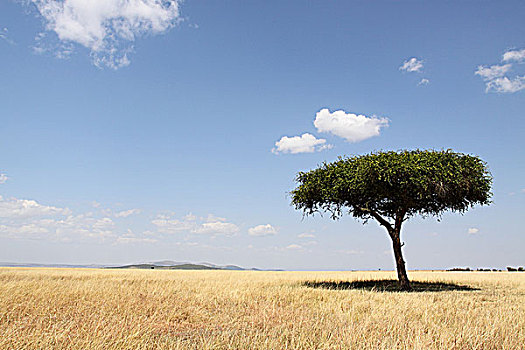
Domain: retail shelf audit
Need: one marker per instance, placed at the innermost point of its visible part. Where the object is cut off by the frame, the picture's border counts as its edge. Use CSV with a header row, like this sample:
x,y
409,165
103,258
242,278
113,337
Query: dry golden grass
x,y
152,309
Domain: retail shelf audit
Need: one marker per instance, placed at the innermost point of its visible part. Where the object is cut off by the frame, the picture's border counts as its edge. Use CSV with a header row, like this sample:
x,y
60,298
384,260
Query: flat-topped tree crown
x,y
393,186
414,182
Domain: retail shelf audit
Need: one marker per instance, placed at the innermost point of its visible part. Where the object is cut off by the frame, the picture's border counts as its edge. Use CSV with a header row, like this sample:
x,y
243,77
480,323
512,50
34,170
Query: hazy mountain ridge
x,y
161,265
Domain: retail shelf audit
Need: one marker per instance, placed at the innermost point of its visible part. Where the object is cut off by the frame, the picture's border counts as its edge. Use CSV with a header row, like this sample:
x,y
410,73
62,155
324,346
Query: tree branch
x,y
400,217
379,218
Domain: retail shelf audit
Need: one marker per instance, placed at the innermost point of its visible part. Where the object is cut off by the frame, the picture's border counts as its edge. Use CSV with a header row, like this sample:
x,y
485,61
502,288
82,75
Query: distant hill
x,y
159,265
70,266
165,267
173,265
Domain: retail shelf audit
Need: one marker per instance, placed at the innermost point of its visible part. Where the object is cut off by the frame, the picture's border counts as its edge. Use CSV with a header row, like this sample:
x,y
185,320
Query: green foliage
x,y
395,184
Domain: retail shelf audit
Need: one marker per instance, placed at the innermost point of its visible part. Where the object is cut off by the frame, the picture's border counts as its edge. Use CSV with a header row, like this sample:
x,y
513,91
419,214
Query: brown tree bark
x,y
404,283
394,231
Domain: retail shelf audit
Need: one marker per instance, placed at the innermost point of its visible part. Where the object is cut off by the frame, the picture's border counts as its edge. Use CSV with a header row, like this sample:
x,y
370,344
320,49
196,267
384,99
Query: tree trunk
x,y
404,283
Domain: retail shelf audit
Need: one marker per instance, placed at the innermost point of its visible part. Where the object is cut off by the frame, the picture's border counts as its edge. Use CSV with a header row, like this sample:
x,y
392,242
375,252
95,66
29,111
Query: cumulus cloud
x,y
352,127
212,225
217,228
169,226
29,219
24,208
262,230
3,178
423,81
107,28
514,55
126,213
66,229
412,65
505,84
496,76
472,230
306,143
493,72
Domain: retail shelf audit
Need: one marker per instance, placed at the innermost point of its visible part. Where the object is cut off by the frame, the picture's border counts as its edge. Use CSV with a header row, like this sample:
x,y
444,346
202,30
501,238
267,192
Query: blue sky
x,y
158,130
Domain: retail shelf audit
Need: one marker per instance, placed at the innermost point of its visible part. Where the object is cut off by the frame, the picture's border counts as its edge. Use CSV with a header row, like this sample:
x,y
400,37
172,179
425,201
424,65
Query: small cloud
x,y
306,235
3,178
294,247
216,228
305,143
473,230
126,213
24,208
190,217
412,65
310,243
506,85
493,72
423,81
351,127
130,238
514,55
212,225
262,230
496,76
4,36
167,225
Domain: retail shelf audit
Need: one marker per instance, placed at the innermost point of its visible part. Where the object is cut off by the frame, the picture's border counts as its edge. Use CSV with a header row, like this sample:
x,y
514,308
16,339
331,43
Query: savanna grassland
x,y
152,309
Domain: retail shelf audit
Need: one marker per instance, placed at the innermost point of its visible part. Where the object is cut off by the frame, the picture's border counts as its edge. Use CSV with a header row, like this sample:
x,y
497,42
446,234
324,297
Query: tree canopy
x,y
424,182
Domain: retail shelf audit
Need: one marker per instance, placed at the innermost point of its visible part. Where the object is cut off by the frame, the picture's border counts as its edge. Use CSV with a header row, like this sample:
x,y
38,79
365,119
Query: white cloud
x,y
262,230
306,235
170,226
66,229
212,225
423,81
126,213
492,72
412,65
472,230
496,76
294,247
3,178
23,208
514,55
305,143
506,85
4,35
130,238
107,28
352,127
216,228
28,219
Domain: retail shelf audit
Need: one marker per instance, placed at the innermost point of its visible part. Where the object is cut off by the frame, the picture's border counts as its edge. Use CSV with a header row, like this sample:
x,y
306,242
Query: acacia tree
x,y
391,187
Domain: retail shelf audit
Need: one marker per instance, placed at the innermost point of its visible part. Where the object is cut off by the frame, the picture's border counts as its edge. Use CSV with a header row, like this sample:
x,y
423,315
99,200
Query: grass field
x,y
149,309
